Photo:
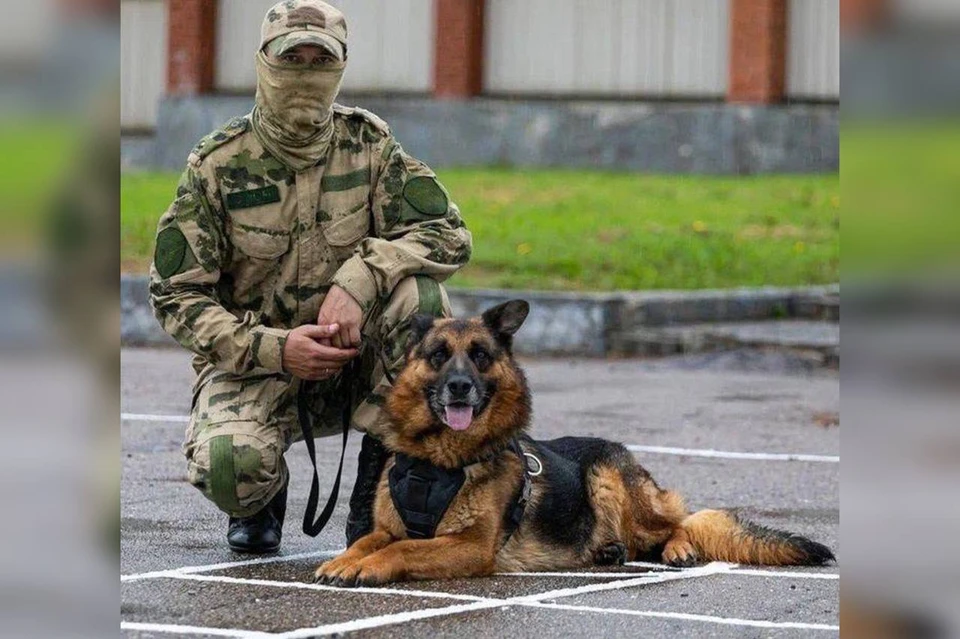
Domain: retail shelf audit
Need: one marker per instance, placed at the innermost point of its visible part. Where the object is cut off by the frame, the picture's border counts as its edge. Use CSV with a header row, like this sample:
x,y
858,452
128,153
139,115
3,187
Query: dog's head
x,y
461,392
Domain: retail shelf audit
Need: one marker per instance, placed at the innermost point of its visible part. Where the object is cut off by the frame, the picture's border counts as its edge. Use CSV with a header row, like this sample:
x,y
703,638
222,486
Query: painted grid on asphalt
x,y
461,604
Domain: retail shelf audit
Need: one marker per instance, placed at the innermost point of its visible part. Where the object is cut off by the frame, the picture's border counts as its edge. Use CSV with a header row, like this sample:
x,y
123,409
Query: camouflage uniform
x,y
249,249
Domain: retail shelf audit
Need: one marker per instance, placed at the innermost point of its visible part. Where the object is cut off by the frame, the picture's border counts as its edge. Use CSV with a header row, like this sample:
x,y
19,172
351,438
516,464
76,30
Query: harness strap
x,y
422,493
518,507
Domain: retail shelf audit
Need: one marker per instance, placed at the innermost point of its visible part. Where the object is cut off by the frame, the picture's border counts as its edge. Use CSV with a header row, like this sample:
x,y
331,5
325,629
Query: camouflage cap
x,y
294,22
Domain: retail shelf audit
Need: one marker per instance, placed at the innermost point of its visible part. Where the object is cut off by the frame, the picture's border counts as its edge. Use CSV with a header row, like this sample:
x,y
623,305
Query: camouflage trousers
x,y
241,425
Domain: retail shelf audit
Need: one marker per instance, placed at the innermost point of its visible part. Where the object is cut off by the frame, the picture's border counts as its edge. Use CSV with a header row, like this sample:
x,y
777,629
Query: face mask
x,y
293,117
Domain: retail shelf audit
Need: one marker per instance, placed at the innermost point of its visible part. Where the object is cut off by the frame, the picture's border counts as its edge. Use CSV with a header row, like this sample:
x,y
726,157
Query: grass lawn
x,y
564,229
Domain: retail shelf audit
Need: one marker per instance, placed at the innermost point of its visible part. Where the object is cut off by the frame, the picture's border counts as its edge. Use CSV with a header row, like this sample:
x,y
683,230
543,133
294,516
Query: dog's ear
x,y
420,325
505,319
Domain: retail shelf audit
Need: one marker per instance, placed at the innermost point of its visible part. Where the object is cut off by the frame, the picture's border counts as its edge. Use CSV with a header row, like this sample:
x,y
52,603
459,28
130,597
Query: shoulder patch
x,y
170,252
362,114
232,129
426,196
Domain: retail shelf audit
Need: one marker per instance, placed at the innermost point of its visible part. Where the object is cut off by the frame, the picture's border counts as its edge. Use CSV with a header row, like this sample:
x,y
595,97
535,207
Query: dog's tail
x,y
719,535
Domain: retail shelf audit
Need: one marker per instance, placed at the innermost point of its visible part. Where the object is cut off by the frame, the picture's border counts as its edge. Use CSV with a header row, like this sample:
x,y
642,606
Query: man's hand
x,y
307,353
340,308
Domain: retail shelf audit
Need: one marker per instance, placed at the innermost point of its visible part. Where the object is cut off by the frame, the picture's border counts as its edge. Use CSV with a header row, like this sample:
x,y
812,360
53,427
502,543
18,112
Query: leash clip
x,y
539,469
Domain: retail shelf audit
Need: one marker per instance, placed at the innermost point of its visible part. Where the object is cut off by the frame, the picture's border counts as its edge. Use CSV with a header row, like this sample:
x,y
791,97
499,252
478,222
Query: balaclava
x,y
292,117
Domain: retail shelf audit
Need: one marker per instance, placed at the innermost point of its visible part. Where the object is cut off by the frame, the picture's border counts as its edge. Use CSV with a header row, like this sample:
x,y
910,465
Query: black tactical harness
x,y
422,492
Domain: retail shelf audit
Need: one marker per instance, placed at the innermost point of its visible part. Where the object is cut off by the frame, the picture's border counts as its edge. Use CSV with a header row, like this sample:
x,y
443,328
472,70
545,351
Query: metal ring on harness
x,y
539,464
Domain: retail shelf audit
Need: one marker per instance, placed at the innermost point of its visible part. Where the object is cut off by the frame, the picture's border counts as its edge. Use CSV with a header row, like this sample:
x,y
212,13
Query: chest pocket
x,y
260,243
344,210
259,222
348,225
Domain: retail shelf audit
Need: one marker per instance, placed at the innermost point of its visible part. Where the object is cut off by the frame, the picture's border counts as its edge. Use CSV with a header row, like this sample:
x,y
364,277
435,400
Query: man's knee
x,y
237,471
414,295
418,294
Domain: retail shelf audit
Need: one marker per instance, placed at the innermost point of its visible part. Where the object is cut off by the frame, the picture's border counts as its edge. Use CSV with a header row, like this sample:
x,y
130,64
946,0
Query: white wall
x,y
669,48
813,49
615,47
390,44
25,34
143,61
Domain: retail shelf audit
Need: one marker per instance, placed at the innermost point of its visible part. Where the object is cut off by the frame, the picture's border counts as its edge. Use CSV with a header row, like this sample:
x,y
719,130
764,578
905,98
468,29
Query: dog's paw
x,y
680,554
323,574
613,554
361,574
327,572
351,574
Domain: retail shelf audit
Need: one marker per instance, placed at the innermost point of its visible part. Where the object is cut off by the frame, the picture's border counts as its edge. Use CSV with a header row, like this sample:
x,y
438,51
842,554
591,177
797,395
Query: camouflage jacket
x,y
249,248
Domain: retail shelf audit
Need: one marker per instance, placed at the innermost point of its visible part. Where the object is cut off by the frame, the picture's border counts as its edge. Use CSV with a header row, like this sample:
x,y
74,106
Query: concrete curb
x,y
578,324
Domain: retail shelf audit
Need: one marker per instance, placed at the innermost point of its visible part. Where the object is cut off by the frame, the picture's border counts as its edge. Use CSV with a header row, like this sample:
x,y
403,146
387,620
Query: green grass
x,y
901,182
580,230
33,171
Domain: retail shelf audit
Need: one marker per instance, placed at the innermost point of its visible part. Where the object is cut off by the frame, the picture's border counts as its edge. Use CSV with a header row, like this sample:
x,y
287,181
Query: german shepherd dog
x,y
460,408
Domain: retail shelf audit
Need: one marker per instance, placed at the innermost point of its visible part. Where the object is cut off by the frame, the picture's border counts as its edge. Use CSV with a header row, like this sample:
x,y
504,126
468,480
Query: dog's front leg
x,y
329,572
445,557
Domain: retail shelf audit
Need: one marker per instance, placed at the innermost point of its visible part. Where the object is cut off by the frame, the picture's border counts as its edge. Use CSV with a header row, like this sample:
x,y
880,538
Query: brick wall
x,y
191,41
458,63
758,51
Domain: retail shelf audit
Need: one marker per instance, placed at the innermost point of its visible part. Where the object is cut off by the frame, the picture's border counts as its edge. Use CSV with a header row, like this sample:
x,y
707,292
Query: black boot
x,y
259,533
373,456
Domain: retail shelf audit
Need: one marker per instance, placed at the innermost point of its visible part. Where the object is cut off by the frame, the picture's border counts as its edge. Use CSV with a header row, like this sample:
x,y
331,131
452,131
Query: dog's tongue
x,y
459,417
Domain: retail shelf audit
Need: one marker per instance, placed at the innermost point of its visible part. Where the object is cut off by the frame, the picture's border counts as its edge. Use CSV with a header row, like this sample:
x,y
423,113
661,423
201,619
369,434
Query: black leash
x,y
312,525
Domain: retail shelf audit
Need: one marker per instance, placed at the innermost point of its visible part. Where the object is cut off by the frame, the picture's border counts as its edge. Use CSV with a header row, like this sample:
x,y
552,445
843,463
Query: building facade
x,y
707,64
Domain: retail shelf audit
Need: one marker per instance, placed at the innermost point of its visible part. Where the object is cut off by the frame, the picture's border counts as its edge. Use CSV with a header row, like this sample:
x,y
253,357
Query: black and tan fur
x,y
593,503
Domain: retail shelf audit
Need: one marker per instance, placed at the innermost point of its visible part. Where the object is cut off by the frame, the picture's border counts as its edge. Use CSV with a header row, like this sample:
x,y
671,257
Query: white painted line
x,y
300,585
187,570
579,575
712,568
658,568
728,621
403,617
140,417
634,575
785,574
474,603
388,620
650,564
725,454
193,630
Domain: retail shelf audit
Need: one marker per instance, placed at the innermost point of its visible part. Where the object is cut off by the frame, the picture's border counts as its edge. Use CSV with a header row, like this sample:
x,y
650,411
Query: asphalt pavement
x,y
724,429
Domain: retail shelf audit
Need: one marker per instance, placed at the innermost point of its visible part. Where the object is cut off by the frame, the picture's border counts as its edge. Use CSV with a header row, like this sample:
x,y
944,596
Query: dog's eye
x,y
481,358
438,358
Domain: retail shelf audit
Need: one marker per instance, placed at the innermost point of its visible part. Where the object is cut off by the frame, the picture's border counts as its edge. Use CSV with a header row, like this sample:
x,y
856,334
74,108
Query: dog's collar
x,y
422,491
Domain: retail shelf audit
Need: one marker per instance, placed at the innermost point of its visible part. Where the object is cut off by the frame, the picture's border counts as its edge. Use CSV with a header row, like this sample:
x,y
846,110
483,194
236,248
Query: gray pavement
x,y
736,402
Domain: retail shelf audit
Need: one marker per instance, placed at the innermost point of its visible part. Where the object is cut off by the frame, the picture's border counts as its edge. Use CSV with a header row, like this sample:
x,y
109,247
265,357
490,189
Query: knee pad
x,y
238,472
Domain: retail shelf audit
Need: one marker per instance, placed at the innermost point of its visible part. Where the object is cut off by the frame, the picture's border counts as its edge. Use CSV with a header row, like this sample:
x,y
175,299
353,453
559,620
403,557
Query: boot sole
x,y
253,550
